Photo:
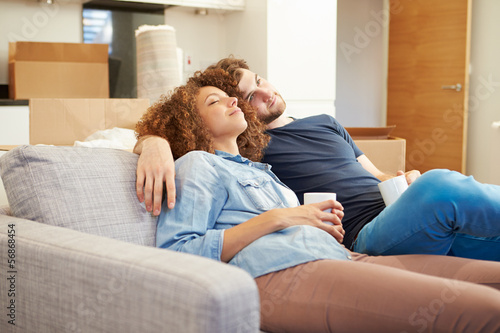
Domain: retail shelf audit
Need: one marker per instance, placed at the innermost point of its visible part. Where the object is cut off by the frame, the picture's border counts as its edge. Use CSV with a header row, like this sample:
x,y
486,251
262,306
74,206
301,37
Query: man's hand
x,y
154,167
411,176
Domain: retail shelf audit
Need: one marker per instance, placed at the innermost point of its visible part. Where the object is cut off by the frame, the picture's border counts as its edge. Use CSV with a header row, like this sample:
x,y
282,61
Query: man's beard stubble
x,y
273,115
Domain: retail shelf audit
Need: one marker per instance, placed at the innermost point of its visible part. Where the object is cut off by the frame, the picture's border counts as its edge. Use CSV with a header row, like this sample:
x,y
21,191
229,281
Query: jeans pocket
x,y
261,192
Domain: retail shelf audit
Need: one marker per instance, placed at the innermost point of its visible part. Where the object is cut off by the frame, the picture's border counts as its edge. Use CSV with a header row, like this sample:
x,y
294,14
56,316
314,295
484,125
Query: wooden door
x,y
428,58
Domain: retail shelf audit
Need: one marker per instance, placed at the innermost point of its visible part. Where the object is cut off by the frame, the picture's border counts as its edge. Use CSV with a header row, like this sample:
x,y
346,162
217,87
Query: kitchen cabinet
x,y
215,4
14,130
14,124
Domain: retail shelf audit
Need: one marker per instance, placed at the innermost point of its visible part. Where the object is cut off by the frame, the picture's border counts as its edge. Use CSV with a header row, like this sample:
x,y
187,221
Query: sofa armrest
x,y
67,281
5,210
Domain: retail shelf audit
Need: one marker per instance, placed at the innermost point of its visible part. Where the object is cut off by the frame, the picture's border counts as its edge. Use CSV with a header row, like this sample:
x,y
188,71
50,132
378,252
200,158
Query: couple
x,y
233,209
443,213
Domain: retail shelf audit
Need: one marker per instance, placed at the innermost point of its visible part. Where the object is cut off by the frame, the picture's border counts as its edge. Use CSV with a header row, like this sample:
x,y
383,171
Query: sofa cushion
x,y
87,189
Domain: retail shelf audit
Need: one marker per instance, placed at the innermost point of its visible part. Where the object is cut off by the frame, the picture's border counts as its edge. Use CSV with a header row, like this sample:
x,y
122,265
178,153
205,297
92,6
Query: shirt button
x,y
349,257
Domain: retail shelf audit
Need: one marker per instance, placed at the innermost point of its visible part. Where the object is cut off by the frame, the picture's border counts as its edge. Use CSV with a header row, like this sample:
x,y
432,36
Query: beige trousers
x,y
404,294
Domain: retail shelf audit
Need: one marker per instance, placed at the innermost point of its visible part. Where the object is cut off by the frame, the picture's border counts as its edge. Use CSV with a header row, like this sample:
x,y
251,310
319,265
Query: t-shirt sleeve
x,y
189,226
345,135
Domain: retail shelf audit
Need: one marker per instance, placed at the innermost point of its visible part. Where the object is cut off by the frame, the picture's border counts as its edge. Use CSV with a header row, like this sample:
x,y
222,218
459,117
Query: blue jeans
x,y
442,212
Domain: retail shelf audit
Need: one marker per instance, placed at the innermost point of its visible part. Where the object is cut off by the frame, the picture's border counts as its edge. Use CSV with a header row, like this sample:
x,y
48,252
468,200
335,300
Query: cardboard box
x,y
64,121
58,70
386,152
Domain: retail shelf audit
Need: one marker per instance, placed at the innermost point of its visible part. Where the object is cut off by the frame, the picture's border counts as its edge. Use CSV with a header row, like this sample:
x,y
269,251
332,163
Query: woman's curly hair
x,y
175,117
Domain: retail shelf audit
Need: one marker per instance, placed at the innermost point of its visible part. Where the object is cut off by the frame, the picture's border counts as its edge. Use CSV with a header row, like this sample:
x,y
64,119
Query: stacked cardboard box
x,y
63,121
58,70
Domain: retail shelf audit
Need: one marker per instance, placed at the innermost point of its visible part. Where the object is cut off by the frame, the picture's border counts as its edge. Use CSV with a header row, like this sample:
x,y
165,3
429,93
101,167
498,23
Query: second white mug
x,y
392,188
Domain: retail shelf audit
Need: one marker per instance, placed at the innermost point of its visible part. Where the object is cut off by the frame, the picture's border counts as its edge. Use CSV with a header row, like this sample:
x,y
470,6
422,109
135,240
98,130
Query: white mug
x,y
314,197
392,188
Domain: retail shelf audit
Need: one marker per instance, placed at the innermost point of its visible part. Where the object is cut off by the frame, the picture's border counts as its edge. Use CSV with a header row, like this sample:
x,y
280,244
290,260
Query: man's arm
x,y
154,167
411,176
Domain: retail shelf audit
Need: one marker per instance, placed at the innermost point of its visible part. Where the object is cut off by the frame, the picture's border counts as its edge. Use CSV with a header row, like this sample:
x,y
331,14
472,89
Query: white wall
x,y
362,29
201,37
207,39
291,43
28,20
246,35
483,150
301,53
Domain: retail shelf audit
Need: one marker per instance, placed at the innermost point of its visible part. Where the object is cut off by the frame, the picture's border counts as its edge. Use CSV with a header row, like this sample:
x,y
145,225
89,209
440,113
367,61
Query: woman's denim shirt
x,y
217,192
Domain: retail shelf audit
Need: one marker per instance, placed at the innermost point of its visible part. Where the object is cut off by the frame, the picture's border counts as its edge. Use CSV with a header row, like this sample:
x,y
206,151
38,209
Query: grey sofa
x,y
84,255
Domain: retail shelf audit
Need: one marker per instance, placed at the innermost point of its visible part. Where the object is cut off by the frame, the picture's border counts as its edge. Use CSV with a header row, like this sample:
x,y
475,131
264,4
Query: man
x,y
441,213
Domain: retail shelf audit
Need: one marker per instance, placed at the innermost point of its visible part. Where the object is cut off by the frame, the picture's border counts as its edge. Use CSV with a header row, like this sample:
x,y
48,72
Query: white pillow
x,y
119,138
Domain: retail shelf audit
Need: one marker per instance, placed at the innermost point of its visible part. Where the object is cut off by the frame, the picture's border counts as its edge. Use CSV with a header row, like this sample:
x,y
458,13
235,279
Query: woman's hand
x,y
155,166
239,236
314,215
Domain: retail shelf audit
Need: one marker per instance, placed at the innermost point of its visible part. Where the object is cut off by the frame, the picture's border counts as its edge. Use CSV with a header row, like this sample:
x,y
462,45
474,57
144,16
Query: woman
x,y
233,209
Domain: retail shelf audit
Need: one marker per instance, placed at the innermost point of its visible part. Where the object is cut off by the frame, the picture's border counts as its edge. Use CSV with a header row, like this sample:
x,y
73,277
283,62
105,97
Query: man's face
x,y
262,96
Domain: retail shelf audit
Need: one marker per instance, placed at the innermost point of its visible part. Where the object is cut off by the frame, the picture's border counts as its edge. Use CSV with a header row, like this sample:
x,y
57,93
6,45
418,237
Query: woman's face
x,y
262,96
221,113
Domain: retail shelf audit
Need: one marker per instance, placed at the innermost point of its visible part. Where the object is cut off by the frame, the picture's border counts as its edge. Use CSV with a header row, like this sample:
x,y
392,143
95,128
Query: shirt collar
x,y
236,158
240,159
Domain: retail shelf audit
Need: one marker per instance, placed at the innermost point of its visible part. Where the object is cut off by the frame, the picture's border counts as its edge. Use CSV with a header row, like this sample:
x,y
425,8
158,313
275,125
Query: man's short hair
x,y
231,65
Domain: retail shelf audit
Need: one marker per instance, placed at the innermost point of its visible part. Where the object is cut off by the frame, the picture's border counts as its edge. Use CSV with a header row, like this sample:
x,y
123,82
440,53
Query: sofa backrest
x,y
91,190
